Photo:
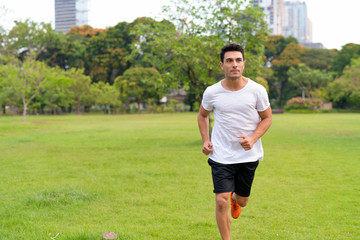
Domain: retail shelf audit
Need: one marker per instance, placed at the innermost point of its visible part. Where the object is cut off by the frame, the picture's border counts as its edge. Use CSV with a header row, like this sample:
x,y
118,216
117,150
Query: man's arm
x,y
266,119
203,122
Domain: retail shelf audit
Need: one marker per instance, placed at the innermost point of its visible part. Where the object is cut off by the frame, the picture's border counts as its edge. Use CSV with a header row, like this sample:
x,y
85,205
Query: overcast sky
x,y
334,22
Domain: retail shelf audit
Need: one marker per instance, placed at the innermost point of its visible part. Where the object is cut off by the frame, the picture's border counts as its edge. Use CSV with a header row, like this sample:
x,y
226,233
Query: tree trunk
x,y
25,108
78,109
139,108
24,113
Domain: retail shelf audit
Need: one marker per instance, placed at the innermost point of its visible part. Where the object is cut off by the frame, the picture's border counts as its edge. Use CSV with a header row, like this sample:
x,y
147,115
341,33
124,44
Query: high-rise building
x,y
295,21
287,18
278,17
69,13
273,10
308,31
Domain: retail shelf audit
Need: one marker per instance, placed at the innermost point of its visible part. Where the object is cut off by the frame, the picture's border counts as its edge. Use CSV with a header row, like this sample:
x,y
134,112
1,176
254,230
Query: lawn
x,y
144,177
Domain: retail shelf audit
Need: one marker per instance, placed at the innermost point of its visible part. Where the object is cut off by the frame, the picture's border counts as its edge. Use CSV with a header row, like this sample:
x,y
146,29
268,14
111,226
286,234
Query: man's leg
x,y
242,201
222,215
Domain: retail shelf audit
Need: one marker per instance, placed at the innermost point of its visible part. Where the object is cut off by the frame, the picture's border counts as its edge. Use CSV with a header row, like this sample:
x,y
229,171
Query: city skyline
x,y
331,23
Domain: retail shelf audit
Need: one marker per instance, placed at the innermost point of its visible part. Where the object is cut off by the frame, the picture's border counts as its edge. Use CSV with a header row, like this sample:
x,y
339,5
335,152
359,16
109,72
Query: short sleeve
x,y
262,100
206,101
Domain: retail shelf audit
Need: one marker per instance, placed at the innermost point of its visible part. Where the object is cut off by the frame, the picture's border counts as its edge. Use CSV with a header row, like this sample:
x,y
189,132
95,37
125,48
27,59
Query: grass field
x,y
144,177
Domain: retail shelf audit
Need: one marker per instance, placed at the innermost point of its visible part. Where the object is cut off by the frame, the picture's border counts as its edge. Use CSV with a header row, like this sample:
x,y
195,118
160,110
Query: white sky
x,y
334,22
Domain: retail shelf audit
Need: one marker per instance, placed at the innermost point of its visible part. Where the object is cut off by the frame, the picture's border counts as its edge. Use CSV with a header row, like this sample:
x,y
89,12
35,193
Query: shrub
x,y
303,103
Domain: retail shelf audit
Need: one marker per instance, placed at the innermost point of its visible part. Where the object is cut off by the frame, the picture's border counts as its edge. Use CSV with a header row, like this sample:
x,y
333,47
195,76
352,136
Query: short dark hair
x,y
231,47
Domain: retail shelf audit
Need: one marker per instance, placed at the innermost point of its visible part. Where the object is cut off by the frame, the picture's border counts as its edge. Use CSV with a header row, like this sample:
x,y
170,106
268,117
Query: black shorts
x,y
236,178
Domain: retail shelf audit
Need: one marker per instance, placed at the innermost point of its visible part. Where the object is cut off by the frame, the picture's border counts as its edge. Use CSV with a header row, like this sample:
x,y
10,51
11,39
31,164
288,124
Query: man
x,y
242,115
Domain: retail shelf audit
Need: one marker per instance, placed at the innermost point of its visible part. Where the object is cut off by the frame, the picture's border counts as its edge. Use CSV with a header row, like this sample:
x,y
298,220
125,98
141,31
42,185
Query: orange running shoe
x,y
235,208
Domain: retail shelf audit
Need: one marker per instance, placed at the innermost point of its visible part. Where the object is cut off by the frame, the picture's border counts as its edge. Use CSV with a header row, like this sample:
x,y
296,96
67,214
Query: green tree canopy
x,y
321,59
308,79
139,84
79,88
276,44
344,56
105,95
42,43
186,52
106,53
288,58
27,79
344,92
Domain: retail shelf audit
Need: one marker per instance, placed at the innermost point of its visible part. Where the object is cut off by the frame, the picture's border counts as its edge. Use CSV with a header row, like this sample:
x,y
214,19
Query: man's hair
x,y
231,47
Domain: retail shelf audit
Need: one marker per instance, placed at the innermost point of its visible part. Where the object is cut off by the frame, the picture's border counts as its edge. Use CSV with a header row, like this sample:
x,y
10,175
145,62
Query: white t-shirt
x,y
235,113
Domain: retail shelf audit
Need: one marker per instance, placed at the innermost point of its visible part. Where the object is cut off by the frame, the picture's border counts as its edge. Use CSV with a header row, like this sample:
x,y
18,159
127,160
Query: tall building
x,y
287,18
273,10
278,17
69,13
308,31
295,21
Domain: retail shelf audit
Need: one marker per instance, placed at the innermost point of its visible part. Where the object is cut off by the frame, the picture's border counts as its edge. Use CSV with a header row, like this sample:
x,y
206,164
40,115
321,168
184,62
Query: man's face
x,y
233,65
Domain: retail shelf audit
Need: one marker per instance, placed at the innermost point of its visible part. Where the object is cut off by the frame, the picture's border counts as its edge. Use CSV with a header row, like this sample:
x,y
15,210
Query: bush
x,y
303,103
151,105
174,106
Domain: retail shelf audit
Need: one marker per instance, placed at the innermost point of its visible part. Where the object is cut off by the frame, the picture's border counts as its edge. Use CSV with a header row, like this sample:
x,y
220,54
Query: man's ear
x,y
222,65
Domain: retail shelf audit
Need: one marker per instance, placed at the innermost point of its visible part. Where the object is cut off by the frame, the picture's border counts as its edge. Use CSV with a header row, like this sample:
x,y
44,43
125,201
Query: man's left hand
x,y
247,143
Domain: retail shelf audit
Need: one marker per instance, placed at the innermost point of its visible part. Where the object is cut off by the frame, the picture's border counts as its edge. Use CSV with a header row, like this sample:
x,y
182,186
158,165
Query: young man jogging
x,y
242,115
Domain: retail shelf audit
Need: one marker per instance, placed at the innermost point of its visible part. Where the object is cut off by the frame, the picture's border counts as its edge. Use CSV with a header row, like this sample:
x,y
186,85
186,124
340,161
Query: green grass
x,y
144,177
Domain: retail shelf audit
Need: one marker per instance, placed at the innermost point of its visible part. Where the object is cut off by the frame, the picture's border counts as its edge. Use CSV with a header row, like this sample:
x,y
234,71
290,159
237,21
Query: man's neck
x,y
234,84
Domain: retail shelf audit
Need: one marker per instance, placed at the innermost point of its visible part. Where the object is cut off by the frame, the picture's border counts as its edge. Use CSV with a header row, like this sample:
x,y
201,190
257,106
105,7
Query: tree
x,y
105,95
56,96
26,78
276,44
44,44
289,57
321,59
79,88
263,82
139,84
85,31
64,91
29,36
344,56
276,75
7,94
344,92
308,79
105,53
78,40
2,38
186,51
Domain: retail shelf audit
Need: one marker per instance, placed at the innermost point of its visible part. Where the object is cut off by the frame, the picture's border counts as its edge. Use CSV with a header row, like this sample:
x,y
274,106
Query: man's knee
x,y
222,200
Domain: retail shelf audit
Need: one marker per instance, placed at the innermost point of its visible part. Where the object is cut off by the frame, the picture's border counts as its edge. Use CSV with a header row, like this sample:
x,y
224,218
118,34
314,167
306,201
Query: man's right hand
x,y
207,148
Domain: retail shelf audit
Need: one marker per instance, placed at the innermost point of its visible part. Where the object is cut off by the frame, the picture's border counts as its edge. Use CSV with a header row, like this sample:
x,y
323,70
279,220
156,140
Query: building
x,y
69,13
273,10
287,18
295,21
313,45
